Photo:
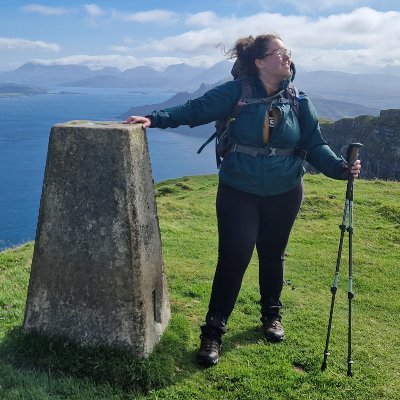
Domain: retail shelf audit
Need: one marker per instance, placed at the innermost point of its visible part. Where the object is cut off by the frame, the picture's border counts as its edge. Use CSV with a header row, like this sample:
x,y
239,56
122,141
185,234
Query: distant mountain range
x,y
175,77
372,90
335,94
50,75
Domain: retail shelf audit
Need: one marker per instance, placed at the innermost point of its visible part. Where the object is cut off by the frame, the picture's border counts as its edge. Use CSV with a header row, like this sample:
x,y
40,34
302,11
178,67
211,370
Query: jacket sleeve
x,y
319,154
215,104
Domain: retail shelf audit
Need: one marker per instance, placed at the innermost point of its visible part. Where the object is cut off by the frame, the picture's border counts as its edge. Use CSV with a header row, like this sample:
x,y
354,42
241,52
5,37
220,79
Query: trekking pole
x,y
351,156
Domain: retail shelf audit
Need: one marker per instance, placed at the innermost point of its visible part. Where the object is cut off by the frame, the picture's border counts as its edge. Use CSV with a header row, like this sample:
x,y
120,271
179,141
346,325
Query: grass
x,y
38,368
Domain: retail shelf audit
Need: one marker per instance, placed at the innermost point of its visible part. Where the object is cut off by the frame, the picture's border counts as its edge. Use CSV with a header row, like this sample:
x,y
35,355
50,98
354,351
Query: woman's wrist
x,y
150,118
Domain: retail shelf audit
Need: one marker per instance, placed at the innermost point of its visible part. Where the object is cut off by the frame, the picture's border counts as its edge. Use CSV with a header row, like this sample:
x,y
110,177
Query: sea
x,y
25,124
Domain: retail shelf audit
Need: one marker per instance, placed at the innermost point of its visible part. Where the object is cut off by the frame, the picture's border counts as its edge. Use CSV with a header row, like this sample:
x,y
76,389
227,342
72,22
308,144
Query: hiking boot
x,y
273,328
210,347
211,339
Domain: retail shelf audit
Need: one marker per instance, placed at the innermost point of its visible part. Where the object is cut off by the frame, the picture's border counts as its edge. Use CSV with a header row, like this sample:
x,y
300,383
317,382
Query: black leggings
x,y
246,220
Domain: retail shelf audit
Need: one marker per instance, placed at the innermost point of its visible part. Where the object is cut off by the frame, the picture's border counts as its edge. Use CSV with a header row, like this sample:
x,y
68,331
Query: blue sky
x,y
348,35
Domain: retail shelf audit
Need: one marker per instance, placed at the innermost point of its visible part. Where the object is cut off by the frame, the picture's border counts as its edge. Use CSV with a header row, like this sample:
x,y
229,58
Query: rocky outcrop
x,y
381,139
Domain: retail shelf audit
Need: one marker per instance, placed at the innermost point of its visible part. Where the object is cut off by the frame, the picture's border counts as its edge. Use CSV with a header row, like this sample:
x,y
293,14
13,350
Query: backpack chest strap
x,y
280,100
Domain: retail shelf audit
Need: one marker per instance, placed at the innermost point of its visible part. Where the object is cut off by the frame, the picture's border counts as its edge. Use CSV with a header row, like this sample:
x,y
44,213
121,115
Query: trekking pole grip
x,y
352,152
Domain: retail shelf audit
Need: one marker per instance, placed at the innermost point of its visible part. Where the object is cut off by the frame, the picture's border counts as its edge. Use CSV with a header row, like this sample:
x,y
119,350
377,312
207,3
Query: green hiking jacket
x,y
261,175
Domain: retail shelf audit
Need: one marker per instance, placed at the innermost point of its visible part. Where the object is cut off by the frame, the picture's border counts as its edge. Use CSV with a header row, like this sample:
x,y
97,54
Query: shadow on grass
x,y
249,336
103,365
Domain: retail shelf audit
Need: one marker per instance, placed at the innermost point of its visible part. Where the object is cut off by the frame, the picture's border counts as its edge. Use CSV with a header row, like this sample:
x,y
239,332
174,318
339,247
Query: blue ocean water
x,y
25,124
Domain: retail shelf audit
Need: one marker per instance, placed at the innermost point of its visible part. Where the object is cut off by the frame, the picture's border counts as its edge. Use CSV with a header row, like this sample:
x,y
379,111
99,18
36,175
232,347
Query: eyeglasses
x,y
280,53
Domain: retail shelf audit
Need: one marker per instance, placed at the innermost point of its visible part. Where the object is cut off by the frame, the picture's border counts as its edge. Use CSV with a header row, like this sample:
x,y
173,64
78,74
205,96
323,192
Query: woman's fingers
x,y
135,119
356,168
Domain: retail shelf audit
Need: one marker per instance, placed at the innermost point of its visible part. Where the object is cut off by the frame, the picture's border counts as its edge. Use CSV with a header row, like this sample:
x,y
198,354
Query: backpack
x,y
223,142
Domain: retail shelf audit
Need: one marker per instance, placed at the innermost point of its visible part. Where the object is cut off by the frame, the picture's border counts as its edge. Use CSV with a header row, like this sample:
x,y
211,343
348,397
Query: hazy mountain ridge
x,y
175,77
374,91
38,74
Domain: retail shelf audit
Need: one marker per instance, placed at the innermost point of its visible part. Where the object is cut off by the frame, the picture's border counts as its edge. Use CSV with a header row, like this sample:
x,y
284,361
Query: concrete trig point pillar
x,y
97,272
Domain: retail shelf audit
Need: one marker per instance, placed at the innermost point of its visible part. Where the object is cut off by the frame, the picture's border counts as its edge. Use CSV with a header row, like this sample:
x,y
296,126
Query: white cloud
x,y
205,18
225,30
94,62
45,10
17,43
158,16
189,42
363,37
161,63
351,41
124,62
93,10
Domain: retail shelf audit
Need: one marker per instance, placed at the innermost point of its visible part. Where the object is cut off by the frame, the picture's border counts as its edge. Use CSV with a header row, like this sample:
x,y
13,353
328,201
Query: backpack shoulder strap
x,y
247,92
294,98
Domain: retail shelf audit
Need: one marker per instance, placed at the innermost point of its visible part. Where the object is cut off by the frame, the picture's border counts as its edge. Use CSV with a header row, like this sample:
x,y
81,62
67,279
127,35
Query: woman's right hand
x,y
135,119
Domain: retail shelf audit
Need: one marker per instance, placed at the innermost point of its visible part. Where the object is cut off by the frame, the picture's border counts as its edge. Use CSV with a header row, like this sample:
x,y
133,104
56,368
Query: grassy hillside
x,y
33,367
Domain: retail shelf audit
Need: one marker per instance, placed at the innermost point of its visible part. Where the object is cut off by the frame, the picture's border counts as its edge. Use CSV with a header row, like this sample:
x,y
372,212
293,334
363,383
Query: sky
x,y
345,35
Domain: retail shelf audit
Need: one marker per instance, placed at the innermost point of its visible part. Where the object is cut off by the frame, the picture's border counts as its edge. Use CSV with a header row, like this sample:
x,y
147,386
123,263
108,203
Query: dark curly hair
x,y
249,49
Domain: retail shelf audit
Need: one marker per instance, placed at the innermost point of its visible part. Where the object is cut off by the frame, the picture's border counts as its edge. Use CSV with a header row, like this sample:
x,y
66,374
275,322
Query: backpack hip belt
x,y
266,151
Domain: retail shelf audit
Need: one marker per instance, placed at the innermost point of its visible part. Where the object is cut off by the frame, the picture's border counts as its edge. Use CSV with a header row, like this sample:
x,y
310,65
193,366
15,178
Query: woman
x,y
259,195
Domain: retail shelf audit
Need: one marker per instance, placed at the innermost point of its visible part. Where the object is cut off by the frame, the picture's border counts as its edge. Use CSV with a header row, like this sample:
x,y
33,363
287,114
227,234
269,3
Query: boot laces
x,y
272,323
209,344
275,324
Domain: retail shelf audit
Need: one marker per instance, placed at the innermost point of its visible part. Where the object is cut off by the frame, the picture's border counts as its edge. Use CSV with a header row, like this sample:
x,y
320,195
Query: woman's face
x,y
276,63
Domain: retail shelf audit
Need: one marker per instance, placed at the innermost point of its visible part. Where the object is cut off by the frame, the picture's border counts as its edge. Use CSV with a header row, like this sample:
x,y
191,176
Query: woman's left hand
x,y
137,119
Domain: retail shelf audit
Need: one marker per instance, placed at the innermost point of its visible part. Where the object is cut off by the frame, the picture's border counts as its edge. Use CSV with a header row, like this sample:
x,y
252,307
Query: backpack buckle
x,y
271,151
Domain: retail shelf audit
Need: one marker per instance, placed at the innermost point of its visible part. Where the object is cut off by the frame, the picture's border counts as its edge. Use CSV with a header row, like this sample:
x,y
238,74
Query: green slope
x,y
250,368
